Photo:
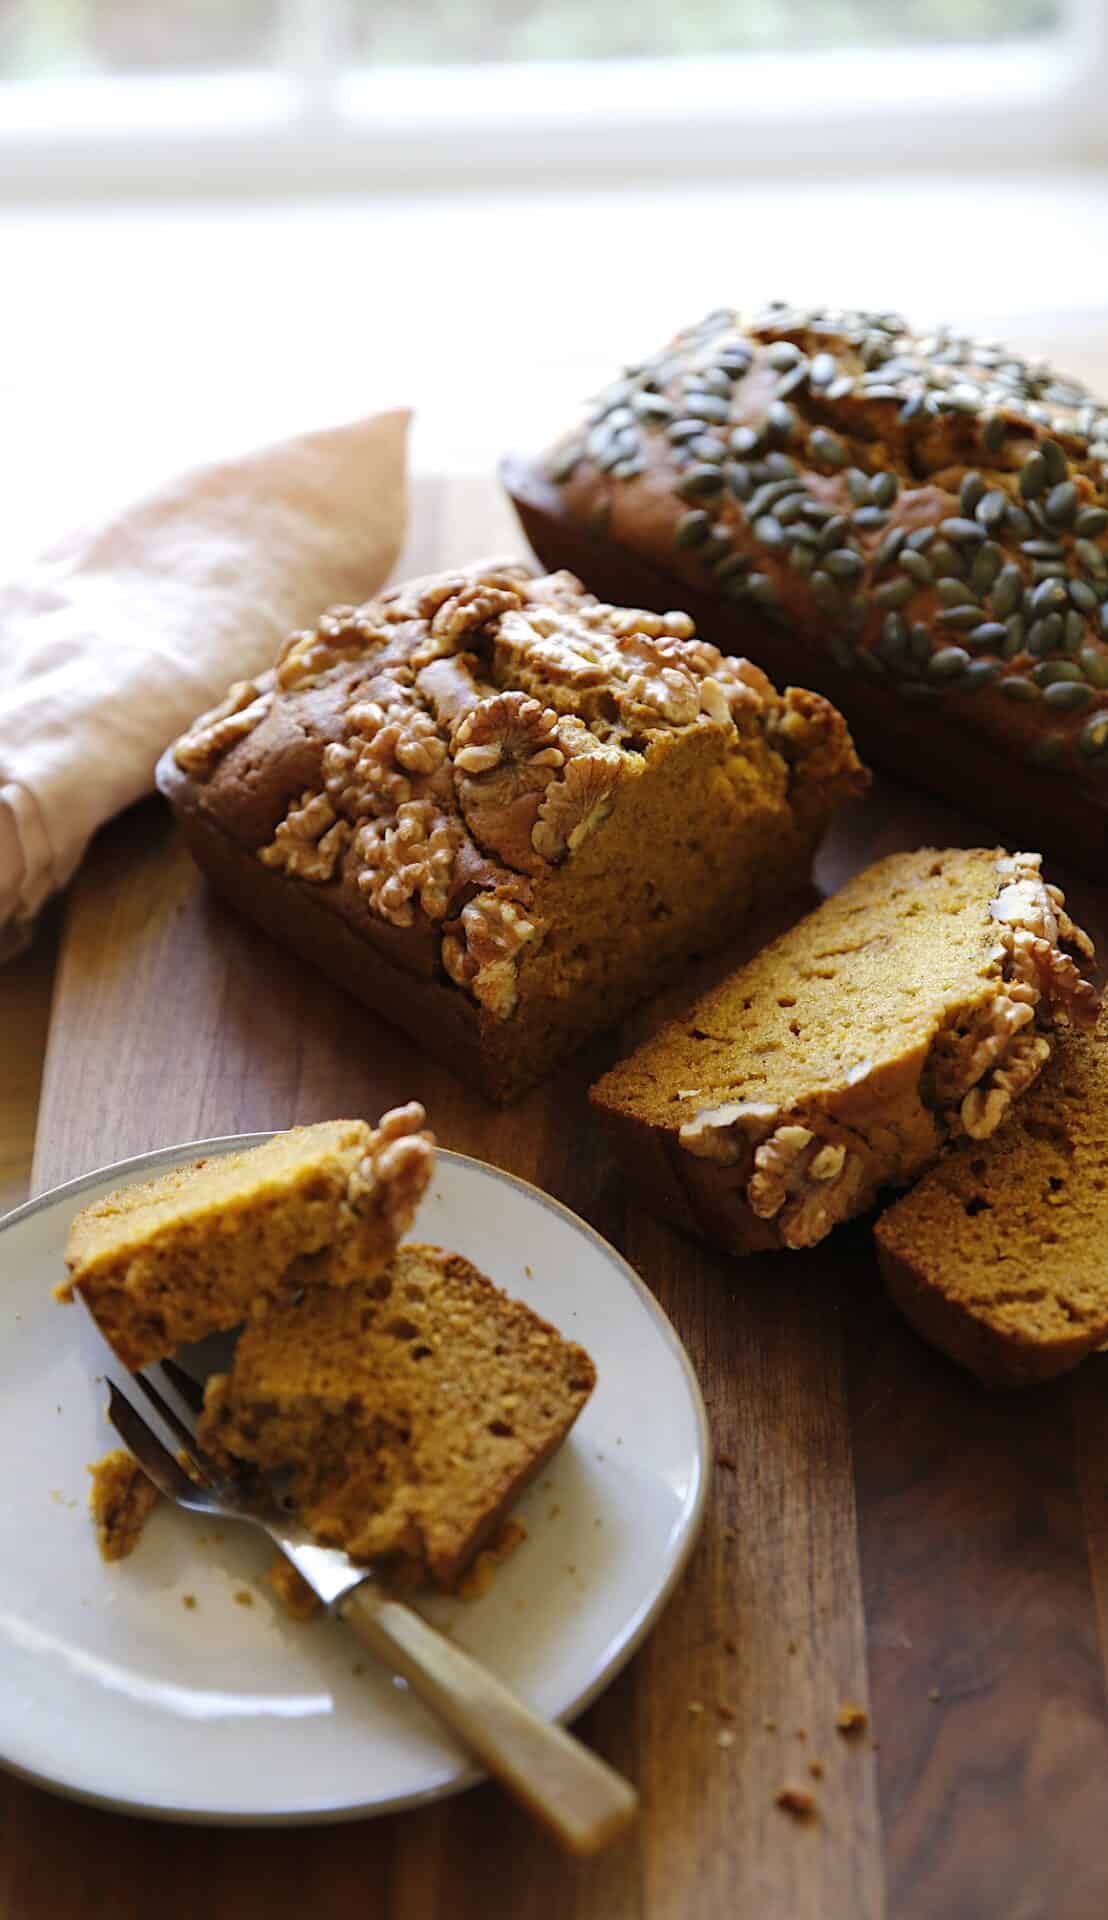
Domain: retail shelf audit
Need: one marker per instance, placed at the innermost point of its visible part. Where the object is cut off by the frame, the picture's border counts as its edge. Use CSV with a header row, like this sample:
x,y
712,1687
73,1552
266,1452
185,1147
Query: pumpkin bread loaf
x,y
411,1409
170,1260
914,523
911,1008
499,811
1000,1255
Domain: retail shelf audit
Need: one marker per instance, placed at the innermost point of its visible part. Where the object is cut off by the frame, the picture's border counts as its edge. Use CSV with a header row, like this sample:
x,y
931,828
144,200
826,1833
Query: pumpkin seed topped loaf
x,y
910,520
411,1409
911,1008
192,1252
1000,1255
499,811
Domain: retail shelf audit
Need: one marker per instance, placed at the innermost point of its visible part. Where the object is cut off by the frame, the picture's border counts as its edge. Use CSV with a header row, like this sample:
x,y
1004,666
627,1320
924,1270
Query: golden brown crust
x,y
996,1257
916,527
912,1007
452,773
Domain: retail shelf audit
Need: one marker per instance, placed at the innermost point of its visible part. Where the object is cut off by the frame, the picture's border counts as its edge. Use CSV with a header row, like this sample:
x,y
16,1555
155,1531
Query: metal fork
x,y
581,1800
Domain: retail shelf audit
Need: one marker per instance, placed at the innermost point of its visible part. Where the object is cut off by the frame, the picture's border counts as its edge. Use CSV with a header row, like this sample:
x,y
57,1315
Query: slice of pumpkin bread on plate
x,y
1000,1255
912,1008
170,1260
411,1410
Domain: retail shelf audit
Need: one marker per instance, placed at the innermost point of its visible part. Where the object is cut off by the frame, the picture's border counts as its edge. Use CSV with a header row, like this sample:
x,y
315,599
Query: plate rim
x,y
628,1647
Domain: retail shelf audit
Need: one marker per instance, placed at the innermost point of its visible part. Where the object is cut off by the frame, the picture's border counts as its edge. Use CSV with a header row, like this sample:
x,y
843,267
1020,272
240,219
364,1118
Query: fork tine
x,y
156,1460
190,1390
172,1420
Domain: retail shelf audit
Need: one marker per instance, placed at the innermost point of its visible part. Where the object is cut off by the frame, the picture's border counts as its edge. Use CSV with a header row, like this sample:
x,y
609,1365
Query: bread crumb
x,y
478,1578
696,1706
292,1590
244,1597
730,1646
797,1801
727,1460
725,1712
120,1501
188,1600
934,1694
792,1646
527,1271
725,1738
769,1725
851,1718
815,1768
802,1733
358,1668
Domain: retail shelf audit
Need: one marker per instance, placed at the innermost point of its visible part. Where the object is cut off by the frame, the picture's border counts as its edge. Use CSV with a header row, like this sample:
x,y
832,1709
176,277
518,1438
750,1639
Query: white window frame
x,y
310,123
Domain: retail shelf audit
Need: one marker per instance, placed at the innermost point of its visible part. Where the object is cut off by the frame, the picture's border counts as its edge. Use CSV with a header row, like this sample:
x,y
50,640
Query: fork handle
x,y
583,1802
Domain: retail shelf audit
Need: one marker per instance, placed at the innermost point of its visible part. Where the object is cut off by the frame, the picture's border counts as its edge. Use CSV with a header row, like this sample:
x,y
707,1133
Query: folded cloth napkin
x,y
115,640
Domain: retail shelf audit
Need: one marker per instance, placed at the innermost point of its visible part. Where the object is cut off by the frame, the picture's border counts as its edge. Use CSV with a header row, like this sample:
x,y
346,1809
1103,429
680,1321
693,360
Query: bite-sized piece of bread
x,y
499,812
121,1499
412,1409
909,1009
1000,1255
915,523
170,1260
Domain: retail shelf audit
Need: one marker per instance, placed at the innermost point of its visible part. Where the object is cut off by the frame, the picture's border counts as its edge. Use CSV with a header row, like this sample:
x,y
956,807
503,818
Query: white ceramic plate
x,y
114,1690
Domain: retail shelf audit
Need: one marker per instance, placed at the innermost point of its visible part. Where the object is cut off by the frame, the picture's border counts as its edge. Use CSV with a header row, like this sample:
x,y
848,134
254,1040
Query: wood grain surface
x,y
880,1529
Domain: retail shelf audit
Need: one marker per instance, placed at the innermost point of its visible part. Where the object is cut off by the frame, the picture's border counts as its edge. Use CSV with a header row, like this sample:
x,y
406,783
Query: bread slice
x,y
1000,1255
909,1009
169,1260
411,1409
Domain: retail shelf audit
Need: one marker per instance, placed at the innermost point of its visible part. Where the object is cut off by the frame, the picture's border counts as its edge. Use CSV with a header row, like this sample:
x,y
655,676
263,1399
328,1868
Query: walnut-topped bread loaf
x,y
499,811
916,524
998,1255
194,1251
912,1008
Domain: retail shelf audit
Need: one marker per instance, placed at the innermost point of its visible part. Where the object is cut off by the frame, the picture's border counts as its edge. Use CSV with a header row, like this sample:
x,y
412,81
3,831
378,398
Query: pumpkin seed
x,y
1048,671
826,448
916,566
1046,597
1090,556
857,484
679,431
1007,592
963,532
971,492
731,565
844,563
1066,696
825,593
894,593
883,489
764,591
893,643
993,429
954,593
1043,635
991,634
739,479
1054,459
692,529
948,663
920,642
1013,687
1019,522
1033,476
627,469
1094,665
991,509
1083,596
699,481
979,674
987,564
769,531
921,539
1093,737
1090,521
652,406
802,559
1061,503
1016,641
1042,549
707,447
780,419
867,518
565,464
1073,630
746,440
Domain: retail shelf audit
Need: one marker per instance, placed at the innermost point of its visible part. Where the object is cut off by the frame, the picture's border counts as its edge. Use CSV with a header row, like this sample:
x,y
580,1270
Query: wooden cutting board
x,y
880,1529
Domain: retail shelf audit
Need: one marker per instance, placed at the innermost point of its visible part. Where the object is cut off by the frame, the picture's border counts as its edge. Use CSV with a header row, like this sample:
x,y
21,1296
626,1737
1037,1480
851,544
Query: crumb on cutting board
x,y
120,1501
851,1718
797,1801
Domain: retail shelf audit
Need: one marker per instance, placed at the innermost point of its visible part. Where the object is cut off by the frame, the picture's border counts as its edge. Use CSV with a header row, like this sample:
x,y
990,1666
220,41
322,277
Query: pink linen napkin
x,y
114,640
